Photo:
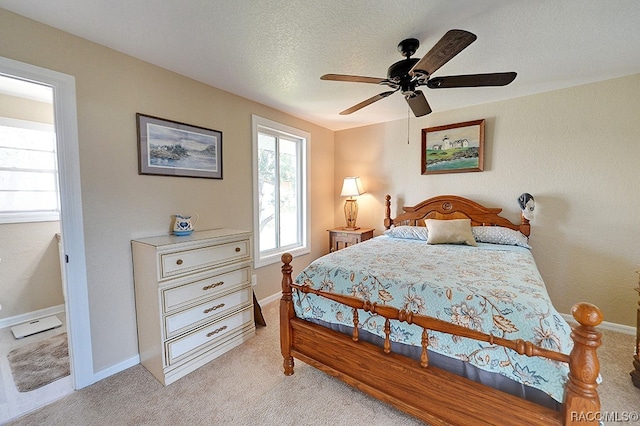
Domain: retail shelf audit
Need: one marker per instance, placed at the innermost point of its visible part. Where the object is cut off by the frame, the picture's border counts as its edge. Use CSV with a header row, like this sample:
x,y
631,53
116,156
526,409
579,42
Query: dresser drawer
x,y
194,299
173,264
206,337
189,293
207,311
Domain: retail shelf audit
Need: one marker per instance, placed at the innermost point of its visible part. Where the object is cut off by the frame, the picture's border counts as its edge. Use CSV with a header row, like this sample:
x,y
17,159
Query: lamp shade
x,y
352,187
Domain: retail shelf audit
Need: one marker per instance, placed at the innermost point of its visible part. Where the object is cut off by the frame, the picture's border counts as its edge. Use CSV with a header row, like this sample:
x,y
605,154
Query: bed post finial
x,y
582,404
286,313
387,212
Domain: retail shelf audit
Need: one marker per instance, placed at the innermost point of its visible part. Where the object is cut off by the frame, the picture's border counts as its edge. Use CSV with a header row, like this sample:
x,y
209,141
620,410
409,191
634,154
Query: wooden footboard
x,y
430,394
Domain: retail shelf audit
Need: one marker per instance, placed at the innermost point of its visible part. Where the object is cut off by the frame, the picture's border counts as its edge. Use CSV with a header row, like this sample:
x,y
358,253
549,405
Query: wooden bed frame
x,y
428,393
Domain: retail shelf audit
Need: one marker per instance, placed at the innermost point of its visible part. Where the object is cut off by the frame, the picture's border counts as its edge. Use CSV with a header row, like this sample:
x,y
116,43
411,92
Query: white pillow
x,y
454,231
408,232
499,235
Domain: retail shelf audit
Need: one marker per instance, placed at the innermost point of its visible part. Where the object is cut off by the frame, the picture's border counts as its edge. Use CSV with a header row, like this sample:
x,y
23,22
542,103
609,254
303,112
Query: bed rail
x,y
581,403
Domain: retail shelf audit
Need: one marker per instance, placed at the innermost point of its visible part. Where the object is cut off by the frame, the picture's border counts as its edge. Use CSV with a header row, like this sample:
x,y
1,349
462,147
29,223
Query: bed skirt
x,y
455,366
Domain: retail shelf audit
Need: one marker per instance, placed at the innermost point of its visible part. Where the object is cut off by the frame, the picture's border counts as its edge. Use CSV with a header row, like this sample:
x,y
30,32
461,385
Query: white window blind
x,y
28,172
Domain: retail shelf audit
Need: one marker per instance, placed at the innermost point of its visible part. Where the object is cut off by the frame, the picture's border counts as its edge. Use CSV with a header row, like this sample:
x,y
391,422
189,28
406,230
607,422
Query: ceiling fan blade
x,y
352,78
418,103
367,102
452,43
472,80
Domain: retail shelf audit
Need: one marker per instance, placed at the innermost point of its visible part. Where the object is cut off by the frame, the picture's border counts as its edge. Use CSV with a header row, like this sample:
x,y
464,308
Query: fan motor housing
x,y
400,70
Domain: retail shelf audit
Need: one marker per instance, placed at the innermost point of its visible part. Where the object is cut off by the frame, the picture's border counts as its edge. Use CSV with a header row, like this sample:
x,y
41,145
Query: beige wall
x,y
30,267
575,150
118,204
25,109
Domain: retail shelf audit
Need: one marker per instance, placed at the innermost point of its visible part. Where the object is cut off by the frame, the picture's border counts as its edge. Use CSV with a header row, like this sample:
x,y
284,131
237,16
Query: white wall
x,y
575,150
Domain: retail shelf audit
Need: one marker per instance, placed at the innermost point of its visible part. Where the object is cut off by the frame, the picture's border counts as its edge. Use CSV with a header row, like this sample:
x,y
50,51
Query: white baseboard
x,y
606,325
135,360
60,309
270,299
31,316
114,369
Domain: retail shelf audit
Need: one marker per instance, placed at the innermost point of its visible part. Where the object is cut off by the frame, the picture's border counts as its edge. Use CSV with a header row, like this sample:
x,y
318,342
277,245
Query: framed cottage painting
x,y
453,148
176,149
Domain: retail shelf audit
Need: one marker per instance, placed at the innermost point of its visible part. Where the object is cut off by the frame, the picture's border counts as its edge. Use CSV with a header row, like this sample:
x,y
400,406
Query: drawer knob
x,y
213,308
179,262
214,285
238,249
216,331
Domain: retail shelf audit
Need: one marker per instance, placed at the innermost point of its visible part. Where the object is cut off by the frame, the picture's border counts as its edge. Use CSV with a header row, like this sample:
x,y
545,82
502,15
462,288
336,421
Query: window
x,y
28,172
280,191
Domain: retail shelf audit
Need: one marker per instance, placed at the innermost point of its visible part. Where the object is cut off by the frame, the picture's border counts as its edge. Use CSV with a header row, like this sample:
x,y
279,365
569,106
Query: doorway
x,y
73,265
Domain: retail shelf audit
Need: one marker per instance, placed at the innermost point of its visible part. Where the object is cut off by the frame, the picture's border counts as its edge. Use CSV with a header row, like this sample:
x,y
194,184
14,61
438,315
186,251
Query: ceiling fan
x,y
410,73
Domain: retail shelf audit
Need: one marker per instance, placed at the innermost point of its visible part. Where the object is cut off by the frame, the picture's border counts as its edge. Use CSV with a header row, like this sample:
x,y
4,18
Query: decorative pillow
x,y
499,235
454,231
408,232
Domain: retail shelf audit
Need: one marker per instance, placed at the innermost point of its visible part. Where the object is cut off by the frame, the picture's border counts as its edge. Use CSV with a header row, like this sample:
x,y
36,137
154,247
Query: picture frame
x,y
170,148
453,148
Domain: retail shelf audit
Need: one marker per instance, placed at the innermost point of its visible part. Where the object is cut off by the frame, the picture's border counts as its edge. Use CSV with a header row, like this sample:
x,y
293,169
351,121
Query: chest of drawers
x,y
194,299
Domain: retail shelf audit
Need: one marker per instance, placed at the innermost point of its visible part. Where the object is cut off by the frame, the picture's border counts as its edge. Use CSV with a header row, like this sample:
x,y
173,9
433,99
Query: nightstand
x,y
340,238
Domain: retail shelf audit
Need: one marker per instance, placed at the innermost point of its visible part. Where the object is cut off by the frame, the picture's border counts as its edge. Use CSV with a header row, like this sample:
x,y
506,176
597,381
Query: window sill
x,y
276,257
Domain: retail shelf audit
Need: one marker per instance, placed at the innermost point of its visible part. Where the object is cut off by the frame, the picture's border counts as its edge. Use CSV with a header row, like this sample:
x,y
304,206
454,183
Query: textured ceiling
x,y
274,51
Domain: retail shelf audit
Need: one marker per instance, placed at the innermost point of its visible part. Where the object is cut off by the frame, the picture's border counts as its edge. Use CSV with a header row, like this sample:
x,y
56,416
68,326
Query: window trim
x,y
274,255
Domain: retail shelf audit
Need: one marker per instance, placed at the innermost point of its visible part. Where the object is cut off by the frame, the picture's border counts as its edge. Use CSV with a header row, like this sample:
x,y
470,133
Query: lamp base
x,y
346,228
350,214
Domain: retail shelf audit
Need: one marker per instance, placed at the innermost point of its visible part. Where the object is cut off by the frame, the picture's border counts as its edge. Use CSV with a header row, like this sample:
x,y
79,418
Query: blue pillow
x,y
500,235
408,232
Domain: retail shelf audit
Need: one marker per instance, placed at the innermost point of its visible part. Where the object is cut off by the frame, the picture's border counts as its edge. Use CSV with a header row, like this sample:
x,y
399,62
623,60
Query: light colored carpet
x,y
40,363
246,386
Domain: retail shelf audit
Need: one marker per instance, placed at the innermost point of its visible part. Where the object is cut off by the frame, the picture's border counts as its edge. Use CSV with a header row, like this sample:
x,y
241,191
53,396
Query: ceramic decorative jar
x,y
183,225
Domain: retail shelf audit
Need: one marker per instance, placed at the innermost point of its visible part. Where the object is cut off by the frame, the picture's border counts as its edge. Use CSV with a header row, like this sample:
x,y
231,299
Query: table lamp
x,y
351,187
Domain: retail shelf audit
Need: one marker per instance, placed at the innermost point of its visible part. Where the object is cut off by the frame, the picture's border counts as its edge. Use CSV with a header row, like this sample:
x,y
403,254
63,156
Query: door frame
x,y
71,221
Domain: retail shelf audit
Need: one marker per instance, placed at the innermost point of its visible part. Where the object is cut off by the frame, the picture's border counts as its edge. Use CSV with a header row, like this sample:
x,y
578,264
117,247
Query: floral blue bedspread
x,y
490,288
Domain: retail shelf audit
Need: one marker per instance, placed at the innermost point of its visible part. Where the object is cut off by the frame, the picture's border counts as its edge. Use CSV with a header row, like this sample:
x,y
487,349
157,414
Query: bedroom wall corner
x,y
119,204
574,149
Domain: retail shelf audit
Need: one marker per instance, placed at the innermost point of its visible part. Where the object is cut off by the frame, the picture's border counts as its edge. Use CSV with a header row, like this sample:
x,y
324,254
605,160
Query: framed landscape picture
x,y
177,149
453,148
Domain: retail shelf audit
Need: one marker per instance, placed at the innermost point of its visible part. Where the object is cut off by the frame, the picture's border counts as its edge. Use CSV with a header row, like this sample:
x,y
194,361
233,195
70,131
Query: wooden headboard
x,y
452,207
